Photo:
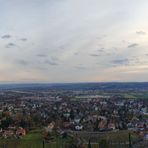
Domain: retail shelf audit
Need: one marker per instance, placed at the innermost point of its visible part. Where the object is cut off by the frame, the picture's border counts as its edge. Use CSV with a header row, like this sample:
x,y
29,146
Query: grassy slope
x,y
34,140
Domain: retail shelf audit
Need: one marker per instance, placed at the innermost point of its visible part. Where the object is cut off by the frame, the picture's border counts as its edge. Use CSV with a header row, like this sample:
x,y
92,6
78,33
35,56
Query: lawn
x,y
34,139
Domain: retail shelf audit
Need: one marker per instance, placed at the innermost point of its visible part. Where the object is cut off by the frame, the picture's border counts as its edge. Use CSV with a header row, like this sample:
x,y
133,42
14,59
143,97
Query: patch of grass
x,y
119,135
33,136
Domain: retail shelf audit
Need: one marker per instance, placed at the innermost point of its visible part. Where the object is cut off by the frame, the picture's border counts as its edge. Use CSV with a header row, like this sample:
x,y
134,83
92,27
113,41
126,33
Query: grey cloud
x,y
80,67
133,45
101,50
129,61
10,45
120,61
101,37
141,33
23,39
76,53
51,63
7,36
61,47
54,61
94,55
42,55
22,62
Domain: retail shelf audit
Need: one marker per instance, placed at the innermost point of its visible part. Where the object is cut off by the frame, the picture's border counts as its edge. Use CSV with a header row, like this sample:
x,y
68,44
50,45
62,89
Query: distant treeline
x,y
79,86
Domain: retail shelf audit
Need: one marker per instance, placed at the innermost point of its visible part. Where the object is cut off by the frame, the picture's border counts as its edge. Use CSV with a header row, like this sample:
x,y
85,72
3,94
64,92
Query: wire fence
x,y
43,144
9,143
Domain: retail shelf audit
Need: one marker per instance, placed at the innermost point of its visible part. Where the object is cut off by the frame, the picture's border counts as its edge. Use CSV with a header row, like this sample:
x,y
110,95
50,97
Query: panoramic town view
x,y
73,74
77,115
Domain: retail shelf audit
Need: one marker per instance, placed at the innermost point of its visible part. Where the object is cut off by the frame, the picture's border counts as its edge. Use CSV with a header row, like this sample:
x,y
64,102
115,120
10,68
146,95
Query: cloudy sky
x,y
73,40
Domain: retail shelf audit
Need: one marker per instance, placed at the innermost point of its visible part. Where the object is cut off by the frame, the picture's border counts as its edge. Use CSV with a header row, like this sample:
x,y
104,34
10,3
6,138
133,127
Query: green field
x,y
31,140
34,139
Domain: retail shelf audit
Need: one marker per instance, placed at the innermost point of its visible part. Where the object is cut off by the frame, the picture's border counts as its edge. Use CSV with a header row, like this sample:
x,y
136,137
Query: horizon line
x,y
46,83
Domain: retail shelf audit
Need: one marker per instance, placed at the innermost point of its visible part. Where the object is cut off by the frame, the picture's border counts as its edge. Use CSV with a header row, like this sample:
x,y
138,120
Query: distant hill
x,y
80,86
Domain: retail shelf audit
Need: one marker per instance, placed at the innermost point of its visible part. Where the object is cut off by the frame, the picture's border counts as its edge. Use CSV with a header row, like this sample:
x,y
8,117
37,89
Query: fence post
x,y
4,145
89,145
43,144
130,143
110,143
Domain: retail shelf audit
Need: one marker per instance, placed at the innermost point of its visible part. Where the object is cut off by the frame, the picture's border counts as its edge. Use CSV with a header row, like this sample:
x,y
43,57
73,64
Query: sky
x,y
55,41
